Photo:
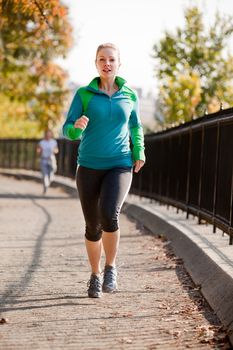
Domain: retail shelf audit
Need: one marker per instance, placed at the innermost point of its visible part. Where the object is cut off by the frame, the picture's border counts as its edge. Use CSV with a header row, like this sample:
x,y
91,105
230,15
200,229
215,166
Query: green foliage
x,y
33,33
194,68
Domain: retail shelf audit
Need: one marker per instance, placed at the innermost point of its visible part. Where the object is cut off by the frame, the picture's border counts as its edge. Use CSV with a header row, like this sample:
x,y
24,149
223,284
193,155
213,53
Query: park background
x,y
48,50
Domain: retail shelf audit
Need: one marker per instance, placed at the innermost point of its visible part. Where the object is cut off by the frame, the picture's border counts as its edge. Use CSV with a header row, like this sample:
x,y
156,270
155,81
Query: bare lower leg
x,y
45,182
110,243
51,177
94,251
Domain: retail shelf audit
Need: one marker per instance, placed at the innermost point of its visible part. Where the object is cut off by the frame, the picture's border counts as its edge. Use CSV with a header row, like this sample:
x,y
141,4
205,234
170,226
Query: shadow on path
x,y
30,196
14,289
66,300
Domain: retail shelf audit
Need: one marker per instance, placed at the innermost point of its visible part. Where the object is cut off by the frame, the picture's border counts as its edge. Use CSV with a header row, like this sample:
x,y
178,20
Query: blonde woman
x,y
105,115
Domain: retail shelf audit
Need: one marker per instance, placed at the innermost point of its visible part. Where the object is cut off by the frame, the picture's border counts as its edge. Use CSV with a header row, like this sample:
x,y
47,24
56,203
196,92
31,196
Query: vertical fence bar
x,y
17,164
151,185
231,210
25,154
178,176
216,176
10,147
188,174
201,171
168,140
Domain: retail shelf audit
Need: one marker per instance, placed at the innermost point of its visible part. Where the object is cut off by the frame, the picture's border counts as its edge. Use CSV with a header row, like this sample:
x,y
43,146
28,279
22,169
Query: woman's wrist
x,y
139,154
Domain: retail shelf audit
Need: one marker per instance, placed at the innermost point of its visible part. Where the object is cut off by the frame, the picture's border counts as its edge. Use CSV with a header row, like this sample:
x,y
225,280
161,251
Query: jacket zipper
x,y
110,100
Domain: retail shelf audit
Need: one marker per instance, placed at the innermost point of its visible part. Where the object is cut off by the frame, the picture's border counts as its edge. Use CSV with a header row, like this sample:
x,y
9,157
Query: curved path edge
x,y
215,282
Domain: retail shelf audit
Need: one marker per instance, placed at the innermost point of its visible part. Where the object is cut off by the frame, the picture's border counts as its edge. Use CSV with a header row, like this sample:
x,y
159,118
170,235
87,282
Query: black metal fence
x,y
21,154
190,166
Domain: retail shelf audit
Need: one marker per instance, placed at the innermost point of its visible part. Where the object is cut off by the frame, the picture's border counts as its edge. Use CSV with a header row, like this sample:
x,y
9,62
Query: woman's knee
x,y
110,220
93,234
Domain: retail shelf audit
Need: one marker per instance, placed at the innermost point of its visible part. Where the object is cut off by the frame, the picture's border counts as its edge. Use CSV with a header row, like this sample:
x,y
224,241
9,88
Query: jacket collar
x,y
94,84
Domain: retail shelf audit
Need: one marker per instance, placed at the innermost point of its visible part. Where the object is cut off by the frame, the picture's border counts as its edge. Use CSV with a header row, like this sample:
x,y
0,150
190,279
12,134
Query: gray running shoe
x,y
94,286
110,279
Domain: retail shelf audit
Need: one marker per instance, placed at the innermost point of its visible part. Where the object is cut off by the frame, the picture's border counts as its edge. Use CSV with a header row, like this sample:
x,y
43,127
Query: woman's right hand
x,y
81,123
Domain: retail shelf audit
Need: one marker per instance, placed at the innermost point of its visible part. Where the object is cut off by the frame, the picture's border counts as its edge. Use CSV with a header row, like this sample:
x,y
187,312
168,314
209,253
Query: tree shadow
x,y
27,196
16,304
21,285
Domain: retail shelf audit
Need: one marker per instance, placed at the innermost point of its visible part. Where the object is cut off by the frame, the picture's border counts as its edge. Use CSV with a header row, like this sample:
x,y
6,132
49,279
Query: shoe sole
x,y
109,290
95,296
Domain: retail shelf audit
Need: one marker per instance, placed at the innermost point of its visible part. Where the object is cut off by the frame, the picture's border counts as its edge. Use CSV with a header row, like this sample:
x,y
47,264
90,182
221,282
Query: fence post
x,y
216,176
231,210
201,171
188,175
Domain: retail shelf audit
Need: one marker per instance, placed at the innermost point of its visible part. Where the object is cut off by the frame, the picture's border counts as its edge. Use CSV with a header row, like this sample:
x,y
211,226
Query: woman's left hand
x,y
138,165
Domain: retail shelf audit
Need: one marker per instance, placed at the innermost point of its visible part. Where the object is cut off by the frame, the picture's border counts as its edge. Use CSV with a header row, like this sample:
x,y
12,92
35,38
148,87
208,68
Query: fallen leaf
x,y
125,340
129,314
3,320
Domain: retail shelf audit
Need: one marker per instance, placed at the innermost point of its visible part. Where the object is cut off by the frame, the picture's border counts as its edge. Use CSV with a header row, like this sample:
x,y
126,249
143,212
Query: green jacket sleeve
x,y
137,138
136,130
71,132
75,112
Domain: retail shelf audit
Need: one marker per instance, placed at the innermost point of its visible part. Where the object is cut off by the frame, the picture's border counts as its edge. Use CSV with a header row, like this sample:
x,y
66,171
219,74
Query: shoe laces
x,y
110,273
94,282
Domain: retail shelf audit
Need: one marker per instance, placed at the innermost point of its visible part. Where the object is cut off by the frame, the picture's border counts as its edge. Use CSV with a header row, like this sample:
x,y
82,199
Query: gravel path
x,y
44,272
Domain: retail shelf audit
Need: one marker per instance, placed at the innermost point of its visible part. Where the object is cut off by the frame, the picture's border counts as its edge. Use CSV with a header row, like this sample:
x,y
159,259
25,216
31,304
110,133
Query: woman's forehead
x,y
107,51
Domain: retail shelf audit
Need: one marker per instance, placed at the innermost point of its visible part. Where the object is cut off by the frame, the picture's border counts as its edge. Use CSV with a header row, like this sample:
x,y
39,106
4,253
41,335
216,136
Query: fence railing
x,y
189,167
21,154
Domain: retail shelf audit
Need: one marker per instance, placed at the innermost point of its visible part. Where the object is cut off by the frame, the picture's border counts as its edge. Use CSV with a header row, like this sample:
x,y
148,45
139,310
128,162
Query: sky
x,y
134,26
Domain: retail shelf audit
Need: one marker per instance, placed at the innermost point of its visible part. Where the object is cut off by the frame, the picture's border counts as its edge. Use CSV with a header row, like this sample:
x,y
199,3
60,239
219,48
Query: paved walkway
x,y
43,275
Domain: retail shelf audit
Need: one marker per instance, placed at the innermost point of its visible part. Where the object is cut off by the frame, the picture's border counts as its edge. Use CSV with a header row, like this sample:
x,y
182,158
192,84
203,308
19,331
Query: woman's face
x,y
107,62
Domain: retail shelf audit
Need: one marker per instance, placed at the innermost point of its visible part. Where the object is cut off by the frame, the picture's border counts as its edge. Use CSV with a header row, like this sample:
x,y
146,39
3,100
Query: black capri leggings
x,y
102,193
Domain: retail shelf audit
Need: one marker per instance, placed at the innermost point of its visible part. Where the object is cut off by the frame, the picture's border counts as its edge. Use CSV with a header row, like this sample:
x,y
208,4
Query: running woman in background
x,y
105,115
47,148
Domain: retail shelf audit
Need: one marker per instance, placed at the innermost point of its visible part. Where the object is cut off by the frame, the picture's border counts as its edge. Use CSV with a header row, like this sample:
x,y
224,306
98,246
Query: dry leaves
x,y
3,320
205,333
126,340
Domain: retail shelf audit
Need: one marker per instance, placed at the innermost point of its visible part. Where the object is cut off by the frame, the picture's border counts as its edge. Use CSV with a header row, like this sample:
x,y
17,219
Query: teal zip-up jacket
x,y
105,143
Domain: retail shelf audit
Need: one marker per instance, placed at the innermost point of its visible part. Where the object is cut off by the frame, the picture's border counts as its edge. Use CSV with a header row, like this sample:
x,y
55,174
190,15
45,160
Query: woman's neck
x,y
108,86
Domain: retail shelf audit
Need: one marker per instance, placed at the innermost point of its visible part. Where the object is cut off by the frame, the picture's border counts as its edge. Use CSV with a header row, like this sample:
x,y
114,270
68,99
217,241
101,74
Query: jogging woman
x,y
105,115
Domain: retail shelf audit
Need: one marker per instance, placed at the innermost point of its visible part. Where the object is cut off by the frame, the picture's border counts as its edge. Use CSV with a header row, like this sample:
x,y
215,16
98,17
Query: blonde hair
x,y
108,45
